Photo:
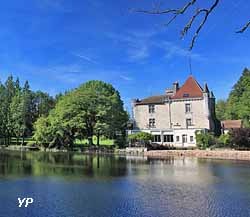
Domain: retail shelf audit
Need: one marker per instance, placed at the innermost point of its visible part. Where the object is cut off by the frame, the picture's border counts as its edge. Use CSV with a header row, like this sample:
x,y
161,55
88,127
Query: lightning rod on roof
x,y
190,65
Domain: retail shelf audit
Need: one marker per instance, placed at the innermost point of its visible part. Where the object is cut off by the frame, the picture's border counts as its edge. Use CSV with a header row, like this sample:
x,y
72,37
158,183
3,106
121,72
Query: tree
x,y
193,14
238,104
43,132
43,103
10,92
221,107
18,110
95,108
3,119
27,110
106,110
17,115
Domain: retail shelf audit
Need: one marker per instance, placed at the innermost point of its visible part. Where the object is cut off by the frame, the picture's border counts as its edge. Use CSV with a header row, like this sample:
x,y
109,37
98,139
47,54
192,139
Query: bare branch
x,y
176,12
207,13
167,11
191,21
244,28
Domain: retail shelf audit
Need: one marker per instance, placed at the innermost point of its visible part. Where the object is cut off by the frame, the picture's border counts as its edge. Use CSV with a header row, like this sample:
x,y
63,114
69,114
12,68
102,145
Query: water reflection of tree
x,y
66,165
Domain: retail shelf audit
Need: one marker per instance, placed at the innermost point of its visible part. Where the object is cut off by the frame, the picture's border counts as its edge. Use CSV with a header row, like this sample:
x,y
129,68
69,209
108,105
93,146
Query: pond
x,y
75,185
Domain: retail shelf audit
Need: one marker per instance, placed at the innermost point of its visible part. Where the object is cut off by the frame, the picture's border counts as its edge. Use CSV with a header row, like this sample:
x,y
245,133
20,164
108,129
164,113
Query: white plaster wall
x,y
161,116
197,114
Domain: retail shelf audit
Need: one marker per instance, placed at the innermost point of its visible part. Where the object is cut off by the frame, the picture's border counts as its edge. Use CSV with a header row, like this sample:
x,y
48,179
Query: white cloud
x,y
140,52
126,78
141,44
72,74
137,43
172,50
85,58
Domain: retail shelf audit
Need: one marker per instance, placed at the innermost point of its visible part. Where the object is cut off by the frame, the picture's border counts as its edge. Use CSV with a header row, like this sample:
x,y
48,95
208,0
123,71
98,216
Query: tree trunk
x,y
9,139
23,140
90,139
98,138
90,136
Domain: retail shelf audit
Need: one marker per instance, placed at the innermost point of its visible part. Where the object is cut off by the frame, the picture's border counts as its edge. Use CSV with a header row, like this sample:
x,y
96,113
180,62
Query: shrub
x,y
204,140
224,139
240,138
141,137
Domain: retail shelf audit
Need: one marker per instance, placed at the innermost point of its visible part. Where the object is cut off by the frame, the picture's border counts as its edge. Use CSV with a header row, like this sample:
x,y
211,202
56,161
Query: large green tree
x,y
95,108
17,114
43,103
19,109
221,107
238,105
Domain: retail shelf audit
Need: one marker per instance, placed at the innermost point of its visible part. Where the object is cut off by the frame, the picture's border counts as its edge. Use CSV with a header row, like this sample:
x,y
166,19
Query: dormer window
x,y
151,109
185,95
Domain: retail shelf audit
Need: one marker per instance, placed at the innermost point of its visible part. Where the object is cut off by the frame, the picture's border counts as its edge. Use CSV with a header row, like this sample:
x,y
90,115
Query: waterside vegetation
x,y
91,114
237,106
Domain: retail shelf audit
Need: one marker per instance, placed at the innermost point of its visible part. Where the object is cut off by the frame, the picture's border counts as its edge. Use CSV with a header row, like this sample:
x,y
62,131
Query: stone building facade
x,y
174,117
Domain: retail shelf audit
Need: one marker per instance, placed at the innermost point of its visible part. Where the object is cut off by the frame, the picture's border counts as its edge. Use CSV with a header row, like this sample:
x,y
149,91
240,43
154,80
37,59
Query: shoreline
x,y
161,154
209,154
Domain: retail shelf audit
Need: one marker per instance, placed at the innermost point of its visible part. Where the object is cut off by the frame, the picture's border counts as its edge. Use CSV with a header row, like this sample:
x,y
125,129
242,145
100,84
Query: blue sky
x,y
59,44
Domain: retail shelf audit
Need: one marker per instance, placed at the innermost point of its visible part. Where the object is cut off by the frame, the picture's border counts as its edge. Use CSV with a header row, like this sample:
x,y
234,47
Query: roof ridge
x,y
188,90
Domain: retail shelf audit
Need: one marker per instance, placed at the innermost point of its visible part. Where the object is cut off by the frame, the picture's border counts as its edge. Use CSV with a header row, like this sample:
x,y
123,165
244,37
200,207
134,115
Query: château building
x,y
174,117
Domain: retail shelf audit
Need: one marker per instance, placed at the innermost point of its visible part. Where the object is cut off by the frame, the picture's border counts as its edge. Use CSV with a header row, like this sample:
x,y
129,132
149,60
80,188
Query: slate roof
x,y
152,100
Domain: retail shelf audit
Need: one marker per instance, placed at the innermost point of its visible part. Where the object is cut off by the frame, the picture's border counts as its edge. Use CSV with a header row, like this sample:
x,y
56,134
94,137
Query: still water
x,y
74,185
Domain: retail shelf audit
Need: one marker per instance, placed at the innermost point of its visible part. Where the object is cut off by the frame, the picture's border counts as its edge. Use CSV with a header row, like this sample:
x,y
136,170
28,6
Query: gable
x,y
190,89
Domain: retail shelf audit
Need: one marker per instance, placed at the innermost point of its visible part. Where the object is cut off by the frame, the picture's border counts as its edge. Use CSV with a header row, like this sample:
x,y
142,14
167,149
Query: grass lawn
x,y
26,140
103,141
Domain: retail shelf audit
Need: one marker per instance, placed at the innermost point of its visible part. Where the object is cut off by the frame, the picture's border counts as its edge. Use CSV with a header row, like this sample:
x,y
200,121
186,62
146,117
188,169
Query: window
x,y
188,108
191,138
151,122
157,138
168,138
188,122
151,108
185,95
184,138
177,138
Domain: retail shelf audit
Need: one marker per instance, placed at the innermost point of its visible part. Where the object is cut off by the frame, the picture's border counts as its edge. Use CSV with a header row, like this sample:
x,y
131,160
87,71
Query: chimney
x,y
175,87
206,90
134,101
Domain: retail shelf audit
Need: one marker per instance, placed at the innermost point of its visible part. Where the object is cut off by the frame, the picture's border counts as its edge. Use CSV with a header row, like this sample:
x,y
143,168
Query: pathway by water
x,y
74,185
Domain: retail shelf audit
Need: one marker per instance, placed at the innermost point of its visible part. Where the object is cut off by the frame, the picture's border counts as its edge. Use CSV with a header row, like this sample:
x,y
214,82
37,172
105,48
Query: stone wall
x,y
221,154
